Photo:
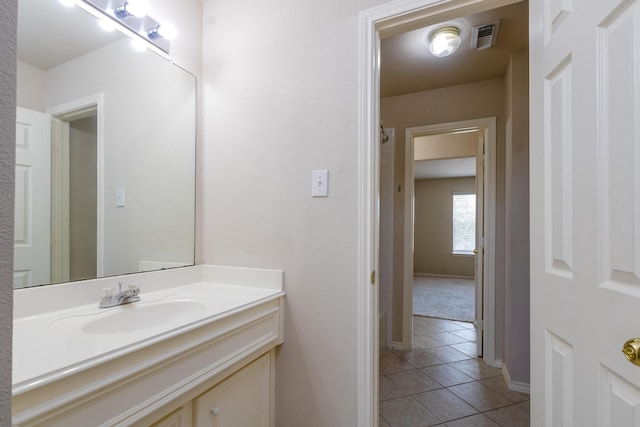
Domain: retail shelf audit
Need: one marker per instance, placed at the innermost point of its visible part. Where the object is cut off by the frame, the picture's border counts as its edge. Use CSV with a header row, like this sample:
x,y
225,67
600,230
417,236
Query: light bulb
x,y
136,7
167,31
444,41
138,44
106,24
68,3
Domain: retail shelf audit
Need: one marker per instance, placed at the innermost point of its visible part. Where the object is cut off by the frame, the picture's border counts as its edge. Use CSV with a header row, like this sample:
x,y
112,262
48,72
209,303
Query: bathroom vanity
x,y
197,349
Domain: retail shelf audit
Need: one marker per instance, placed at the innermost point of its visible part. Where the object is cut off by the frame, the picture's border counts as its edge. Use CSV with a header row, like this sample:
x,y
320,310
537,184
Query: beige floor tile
x,y
447,354
446,375
468,348
421,358
390,363
451,326
476,368
424,341
467,334
448,338
388,390
473,421
480,397
499,385
511,416
406,412
414,382
445,405
382,422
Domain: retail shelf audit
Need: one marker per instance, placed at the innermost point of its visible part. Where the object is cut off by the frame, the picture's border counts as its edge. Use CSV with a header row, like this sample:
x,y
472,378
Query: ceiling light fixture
x,y
444,41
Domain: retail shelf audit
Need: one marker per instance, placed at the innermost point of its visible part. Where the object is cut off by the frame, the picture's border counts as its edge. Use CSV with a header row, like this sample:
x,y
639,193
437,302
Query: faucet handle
x,y
134,288
107,293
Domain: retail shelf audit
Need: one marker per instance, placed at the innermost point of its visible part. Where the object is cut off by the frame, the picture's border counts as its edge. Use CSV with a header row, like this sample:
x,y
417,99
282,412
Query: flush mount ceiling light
x,y
444,41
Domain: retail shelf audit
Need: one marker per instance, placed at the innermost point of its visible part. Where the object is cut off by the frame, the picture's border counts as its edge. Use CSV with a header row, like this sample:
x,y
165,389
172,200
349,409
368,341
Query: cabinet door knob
x,y
215,411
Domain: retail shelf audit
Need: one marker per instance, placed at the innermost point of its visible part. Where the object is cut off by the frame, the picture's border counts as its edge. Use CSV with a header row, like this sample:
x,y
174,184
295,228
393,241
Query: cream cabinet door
x,y
243,399
178,418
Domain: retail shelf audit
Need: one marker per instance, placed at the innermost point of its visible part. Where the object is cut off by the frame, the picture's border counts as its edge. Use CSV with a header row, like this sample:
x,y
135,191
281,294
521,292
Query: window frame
x,y
463,252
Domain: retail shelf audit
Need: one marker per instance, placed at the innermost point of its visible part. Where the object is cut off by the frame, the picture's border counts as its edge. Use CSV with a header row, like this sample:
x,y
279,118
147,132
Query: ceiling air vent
x,y
484,36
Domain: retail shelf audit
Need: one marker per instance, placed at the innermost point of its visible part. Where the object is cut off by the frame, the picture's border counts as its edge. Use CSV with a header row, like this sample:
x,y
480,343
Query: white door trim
x,y
488,127
77,109
387,19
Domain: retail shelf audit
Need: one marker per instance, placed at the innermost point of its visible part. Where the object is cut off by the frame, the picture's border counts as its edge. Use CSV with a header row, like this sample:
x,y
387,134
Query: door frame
x,y
69,111
385,20
487,316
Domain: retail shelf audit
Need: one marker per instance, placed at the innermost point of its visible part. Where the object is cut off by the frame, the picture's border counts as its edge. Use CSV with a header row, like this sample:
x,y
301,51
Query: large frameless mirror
x,y
105,152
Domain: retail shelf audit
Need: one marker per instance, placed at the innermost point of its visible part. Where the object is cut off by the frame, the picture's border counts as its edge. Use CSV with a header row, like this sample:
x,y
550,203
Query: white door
x,y
385,281
585,211
479,250
33,199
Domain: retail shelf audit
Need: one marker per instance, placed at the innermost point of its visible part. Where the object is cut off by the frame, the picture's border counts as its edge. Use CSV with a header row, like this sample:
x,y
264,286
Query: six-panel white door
x,y
32,199
585,211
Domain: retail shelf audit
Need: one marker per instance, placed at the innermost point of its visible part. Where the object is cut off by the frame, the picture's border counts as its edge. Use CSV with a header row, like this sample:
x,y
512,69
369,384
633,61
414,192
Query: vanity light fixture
x,y
444,41
136,8
167,31
130,17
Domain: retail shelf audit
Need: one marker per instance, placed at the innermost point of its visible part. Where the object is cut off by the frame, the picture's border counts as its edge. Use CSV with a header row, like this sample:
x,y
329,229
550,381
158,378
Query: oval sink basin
x,y
135,317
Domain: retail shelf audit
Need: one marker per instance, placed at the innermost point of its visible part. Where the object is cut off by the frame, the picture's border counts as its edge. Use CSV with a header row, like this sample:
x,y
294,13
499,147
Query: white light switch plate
x,y
120,201
320,183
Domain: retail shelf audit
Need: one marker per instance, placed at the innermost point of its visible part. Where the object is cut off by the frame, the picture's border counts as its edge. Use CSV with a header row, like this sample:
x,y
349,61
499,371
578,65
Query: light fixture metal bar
x,y
140,27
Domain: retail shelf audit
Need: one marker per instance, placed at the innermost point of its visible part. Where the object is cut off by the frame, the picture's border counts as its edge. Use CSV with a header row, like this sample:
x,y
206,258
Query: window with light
x,y
464,223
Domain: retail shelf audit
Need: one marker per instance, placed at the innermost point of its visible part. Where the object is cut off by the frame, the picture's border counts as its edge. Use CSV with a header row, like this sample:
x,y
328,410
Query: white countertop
x,y
50,344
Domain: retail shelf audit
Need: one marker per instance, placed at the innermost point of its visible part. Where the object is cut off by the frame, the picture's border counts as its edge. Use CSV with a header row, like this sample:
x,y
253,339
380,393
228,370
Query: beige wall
x,y
281,83
445,146
434,228
8,17
449,104
516,354
31,87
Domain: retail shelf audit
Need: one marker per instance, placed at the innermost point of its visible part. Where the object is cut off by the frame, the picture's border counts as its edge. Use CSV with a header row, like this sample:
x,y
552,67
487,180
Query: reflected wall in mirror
x,y
105,152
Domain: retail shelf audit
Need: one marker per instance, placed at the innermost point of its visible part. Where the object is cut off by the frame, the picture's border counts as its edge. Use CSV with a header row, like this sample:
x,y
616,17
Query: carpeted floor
x,y
444,298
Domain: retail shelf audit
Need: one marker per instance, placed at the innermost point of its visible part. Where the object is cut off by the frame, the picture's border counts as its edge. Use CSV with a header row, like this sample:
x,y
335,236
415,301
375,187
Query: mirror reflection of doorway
x,y
75,195
83,198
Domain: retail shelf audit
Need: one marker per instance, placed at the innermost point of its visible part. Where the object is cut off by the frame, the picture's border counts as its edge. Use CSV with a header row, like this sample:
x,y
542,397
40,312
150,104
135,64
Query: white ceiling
x,y
448,168
407,65
50,34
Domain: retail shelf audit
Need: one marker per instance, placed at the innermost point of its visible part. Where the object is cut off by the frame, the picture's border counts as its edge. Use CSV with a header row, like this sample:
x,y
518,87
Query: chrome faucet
x,y
127,296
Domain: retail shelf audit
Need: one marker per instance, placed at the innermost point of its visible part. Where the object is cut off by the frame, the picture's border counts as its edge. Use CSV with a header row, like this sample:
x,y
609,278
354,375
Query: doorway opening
x,y
376,24
76,197
444,226
477,137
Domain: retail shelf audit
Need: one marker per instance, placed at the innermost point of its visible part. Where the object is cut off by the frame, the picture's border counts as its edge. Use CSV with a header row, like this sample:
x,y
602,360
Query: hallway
x,y
442,383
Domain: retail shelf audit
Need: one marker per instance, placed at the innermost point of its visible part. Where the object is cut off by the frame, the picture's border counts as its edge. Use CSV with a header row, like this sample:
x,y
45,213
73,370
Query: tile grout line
x,y
478,378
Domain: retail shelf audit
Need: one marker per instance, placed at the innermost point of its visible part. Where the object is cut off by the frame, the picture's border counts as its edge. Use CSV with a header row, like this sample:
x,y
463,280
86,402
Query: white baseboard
x,y
497,363
449,276
515,385
397,345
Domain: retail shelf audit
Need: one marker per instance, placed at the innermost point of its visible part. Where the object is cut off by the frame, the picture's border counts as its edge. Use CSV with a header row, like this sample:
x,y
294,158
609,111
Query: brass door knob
x,y
631,350
475,251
